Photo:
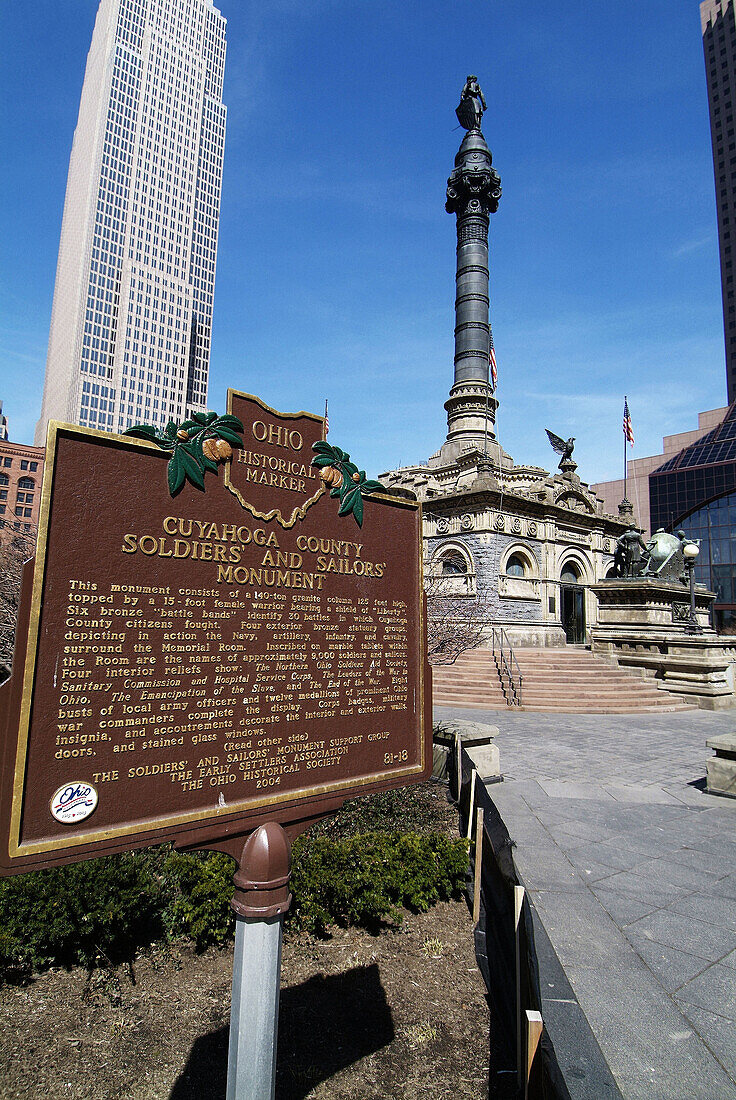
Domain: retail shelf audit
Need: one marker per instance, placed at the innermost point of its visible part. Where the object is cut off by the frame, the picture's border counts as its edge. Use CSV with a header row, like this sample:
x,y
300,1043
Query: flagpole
x,y
625,442
485,432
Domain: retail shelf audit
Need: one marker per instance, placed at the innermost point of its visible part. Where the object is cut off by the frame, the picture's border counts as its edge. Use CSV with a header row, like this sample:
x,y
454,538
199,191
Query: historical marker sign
x,y
201,662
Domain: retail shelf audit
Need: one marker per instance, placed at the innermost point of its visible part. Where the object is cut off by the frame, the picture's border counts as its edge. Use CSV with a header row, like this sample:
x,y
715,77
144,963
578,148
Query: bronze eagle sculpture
x,y
563,447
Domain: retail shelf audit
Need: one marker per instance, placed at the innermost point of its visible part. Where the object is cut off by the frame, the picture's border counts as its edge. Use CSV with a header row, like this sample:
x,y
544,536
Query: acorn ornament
x,y
195,446
219,450
331,476
344,479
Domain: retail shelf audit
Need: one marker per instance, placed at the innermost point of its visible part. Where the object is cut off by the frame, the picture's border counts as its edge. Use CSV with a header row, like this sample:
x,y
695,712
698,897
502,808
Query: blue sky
x,y
336,258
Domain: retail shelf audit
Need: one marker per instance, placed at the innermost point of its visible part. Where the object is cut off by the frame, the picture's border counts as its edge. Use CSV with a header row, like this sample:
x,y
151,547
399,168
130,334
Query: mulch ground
x,y
397,1014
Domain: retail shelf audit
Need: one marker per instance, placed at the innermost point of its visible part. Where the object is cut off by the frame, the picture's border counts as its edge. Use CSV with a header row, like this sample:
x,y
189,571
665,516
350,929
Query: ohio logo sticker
x,y
73,802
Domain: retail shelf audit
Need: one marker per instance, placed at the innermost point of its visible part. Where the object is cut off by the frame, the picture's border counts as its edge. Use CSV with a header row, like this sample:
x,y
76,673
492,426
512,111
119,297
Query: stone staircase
x,y
567,680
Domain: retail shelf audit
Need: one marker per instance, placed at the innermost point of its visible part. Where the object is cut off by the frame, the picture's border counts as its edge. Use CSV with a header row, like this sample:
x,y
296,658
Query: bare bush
x,y
16,547
455,622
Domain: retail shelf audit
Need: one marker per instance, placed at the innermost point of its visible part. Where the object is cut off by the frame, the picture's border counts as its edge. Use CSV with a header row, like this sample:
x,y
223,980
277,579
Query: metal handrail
x,y
512,686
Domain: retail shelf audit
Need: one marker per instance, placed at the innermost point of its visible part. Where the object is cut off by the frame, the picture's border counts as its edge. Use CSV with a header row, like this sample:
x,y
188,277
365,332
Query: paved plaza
x,y
631,867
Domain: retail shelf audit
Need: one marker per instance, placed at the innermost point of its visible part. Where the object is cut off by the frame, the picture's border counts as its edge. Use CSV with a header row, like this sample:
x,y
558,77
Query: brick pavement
x,y
631,867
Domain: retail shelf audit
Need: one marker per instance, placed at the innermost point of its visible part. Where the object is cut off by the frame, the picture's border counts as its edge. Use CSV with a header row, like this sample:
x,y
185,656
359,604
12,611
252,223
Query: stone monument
x,y
652,617
473,193
529,542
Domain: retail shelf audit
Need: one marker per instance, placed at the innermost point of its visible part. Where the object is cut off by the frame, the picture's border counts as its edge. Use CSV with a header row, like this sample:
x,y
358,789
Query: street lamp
x,y
690,551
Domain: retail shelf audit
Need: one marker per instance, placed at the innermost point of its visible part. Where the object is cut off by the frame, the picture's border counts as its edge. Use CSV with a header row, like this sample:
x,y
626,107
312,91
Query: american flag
x,y
327,420
492,358
628,430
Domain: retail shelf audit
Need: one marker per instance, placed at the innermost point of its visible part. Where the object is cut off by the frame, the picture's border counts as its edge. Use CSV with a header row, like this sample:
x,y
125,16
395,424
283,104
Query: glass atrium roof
x,y
717,445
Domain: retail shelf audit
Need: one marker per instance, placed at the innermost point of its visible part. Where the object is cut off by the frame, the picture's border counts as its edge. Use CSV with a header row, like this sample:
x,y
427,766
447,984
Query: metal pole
x,y
693,626
625,441
261,899
251,1067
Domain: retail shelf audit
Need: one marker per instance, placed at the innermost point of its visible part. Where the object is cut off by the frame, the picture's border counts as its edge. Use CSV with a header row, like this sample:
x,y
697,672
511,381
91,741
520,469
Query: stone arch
x,y
518,550
578,563
453,567
574,501
452,553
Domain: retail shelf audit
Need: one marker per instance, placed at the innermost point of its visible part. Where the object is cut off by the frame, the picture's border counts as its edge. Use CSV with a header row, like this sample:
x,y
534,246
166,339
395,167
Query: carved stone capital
x,y
471,411
474,188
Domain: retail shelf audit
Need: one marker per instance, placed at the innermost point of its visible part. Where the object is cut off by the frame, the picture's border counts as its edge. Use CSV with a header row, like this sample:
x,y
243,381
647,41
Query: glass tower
x,y
132,313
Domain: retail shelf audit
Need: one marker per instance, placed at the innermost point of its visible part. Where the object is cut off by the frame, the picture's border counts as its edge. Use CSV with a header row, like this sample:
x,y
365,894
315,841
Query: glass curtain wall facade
x,y
132,313
715,526
698,473
695,491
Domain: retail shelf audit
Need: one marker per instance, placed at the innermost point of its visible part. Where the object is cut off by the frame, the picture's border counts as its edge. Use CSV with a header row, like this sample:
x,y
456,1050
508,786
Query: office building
x,y
21,474
639,469
718,23
132,311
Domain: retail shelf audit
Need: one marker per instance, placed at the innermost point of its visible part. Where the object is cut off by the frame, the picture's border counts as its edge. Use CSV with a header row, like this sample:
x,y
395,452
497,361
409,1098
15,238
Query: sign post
x,y
261,899
222,639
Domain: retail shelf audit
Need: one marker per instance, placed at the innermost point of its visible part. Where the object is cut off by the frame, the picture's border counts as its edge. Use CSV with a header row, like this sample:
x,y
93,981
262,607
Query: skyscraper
x,y
132,312
719,46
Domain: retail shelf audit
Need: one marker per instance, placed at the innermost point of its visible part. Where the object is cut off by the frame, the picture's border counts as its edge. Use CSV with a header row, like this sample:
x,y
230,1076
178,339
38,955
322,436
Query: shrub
x,y
422,808
360,880
201,907
102,909
366,878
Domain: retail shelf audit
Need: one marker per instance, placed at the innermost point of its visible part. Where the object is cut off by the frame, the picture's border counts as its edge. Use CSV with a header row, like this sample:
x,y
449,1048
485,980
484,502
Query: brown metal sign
x,y
208,648
271,474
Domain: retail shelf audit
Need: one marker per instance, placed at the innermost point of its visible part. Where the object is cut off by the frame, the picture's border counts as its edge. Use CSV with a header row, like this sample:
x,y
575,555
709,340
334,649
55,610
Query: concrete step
x,y
570,709
534,690
555,681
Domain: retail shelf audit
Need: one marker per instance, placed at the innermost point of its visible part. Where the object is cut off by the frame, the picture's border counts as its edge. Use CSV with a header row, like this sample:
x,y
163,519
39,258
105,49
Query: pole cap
x,y
262,878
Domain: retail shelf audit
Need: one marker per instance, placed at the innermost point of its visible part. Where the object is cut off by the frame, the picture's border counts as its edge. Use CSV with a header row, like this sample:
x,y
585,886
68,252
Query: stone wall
x,y
488,550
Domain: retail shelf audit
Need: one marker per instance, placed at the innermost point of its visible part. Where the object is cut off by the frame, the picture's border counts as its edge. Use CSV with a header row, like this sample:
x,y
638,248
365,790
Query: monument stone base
x,y
721,768
642,625
477,740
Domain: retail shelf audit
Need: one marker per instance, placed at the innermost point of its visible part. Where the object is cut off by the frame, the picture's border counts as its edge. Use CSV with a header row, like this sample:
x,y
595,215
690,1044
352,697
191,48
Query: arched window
x,y
453,563
570,573
516,566
25,483
452,571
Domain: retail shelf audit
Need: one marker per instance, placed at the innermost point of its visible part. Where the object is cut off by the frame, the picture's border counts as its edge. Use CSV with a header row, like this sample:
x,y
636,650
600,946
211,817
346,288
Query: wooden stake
x,y
534,1028
459,753
470,805
519,892
518,902
478,863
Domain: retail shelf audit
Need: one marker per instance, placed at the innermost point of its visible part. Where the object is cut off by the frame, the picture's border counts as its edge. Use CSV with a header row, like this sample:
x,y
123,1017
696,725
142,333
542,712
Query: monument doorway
x,y
572,598
572,604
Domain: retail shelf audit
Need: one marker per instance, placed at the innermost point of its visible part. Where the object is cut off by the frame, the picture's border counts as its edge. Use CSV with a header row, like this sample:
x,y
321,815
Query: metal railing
x,y
507,665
